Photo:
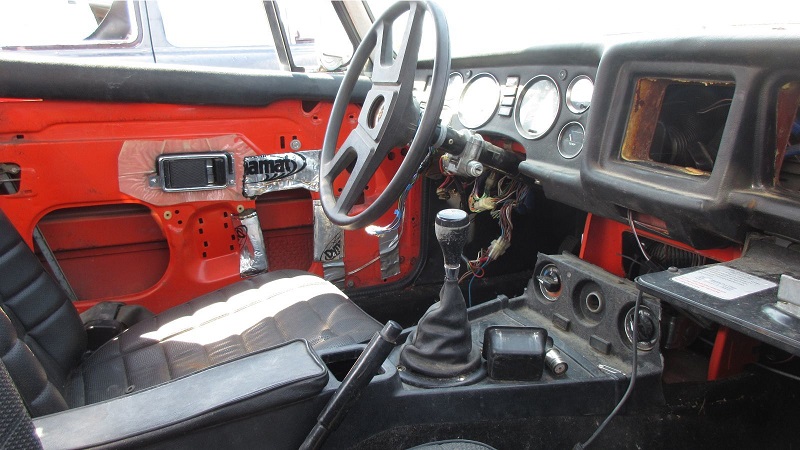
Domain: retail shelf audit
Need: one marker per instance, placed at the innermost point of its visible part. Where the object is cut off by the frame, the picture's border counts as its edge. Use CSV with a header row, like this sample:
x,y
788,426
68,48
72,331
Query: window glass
x,y
482,27
33,23
233,23
317,39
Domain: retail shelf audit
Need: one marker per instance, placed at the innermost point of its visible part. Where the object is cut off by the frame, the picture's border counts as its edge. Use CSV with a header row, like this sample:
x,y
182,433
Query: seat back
x,y
41,335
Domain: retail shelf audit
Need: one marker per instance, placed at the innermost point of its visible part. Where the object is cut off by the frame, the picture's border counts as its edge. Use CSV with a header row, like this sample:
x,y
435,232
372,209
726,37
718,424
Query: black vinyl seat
x,y
42,340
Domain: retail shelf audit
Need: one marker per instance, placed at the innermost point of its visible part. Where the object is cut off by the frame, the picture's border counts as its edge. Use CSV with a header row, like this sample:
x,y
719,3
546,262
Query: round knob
x,y
451,227
550,281
647,328
451,218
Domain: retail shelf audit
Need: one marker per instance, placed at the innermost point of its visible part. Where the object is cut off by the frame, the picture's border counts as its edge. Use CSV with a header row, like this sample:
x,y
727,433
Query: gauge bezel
x,y
466,89
460,75
518,104
568,94
561,135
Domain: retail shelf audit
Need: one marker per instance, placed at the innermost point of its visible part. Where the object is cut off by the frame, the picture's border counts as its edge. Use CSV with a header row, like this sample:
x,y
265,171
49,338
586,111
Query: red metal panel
x,y
68,152
602,246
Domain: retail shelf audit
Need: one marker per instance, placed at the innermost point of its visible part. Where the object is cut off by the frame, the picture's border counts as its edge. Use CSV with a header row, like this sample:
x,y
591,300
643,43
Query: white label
x,y
723,282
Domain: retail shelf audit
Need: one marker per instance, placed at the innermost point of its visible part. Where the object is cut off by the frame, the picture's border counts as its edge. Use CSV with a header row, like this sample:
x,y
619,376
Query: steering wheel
x,y
389,117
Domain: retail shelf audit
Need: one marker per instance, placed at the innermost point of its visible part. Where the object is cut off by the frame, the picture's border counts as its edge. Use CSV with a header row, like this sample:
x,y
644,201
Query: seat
x,y
43,343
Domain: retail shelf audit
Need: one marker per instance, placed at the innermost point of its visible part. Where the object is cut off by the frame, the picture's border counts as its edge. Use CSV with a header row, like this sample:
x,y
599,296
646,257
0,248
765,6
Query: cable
x,y
636,235
628,391
779,372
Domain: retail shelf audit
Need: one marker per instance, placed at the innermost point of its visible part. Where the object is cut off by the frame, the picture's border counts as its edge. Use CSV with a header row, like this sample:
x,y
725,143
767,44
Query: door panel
x,y
115,245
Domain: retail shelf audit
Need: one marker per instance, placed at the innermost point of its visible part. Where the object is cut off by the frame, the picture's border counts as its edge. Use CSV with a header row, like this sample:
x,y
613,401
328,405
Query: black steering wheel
x,y
389,117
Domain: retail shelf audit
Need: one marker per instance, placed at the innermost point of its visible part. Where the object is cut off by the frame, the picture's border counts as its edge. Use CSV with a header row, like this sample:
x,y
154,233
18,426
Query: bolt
x,y
672,269
562,74
350,283
450,141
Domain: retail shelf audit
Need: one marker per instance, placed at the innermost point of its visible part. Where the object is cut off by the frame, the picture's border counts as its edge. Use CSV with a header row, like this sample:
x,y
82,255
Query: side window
x,y
239,23
316,36
31,25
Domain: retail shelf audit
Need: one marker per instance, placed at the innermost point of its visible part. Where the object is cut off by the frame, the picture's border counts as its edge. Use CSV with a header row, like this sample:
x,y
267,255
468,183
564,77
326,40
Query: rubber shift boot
x,y
441,346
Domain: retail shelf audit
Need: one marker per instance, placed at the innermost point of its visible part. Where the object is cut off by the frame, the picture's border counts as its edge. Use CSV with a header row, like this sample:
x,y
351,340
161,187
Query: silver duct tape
x,y
280,172
328,238
390,253
252,252
334,272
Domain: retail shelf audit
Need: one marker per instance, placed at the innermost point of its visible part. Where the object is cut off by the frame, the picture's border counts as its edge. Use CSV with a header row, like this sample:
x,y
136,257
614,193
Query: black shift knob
x,y
451,232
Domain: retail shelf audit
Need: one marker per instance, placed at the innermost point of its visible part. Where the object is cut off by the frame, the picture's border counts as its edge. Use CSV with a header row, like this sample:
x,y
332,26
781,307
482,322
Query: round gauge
x,y
579,94
455,84
537,108
570,140
479,100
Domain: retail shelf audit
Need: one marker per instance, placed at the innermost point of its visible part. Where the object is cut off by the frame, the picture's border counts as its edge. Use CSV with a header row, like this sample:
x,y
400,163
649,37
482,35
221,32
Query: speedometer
x,y
538,106
479,100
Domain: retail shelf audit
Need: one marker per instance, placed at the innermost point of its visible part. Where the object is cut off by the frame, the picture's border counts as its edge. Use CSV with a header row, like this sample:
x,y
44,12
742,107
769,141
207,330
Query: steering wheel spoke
x,y
359,155
395,69
389,117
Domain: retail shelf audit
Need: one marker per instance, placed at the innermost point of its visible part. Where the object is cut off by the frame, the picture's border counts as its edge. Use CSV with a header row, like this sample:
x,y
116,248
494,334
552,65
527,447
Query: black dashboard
x,y
692,135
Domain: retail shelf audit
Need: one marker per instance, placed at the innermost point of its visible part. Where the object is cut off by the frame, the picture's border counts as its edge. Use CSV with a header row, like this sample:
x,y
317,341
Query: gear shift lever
x,y
441,347
451,232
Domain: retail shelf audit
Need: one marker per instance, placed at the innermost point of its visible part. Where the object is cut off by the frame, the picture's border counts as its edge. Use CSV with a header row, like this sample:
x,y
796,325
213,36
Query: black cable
x,y
628,391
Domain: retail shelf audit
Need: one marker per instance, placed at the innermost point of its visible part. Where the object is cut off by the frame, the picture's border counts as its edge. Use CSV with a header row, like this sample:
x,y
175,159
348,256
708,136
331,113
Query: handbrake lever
x,y
362,372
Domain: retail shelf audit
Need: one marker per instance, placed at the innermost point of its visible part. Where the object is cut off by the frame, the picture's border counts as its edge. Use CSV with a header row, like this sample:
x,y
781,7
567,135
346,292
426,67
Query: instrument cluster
x,y
491,101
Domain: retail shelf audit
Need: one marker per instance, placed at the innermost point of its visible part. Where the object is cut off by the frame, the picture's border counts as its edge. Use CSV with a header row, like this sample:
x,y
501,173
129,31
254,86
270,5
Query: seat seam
x,y
166,358
30,286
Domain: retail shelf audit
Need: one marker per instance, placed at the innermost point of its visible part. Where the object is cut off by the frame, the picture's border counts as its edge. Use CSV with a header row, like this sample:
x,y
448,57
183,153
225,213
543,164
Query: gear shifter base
x,y
441,346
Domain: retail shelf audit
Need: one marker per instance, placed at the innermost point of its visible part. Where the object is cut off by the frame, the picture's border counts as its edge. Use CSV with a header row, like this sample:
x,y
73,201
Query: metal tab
x,y
280,172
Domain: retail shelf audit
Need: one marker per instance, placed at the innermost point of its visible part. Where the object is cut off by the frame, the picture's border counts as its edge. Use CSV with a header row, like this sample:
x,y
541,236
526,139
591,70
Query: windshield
x,y
501,26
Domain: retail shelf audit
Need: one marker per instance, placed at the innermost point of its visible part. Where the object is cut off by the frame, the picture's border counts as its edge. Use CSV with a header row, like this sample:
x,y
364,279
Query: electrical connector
x,y
497,248
484,204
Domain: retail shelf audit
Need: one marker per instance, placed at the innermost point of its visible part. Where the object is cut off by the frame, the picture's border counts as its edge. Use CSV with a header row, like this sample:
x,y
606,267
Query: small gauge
x,y
455,85
579,94
479,100
570,140
538,106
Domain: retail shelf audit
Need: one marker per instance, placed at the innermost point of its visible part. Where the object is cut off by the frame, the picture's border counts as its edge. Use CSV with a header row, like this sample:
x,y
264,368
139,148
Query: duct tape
x,y
390,253
328,238
280,172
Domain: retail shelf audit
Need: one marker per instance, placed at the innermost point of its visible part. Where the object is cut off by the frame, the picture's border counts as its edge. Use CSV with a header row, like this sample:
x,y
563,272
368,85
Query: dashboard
x,y
687,134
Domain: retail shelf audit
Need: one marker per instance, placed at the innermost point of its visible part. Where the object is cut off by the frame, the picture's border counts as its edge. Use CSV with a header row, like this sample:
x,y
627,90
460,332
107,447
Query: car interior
x,y
568,245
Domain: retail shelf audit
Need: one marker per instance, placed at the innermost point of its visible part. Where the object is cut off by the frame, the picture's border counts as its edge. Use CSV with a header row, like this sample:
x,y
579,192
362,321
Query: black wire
x,y
628,391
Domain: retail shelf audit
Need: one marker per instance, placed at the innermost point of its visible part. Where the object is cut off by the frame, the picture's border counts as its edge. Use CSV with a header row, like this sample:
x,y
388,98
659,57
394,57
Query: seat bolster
x,y
240,319
268,379
39,394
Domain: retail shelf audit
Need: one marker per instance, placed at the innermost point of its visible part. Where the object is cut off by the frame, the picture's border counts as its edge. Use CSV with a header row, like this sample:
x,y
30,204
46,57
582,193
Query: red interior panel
x,y
160,256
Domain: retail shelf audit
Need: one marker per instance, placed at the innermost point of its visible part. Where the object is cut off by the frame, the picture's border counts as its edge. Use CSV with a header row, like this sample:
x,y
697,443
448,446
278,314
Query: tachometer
x,y
579,94
479,100
537,108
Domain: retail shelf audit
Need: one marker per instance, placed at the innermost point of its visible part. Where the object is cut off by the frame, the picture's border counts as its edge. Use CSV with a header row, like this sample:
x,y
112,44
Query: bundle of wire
x,y
499,197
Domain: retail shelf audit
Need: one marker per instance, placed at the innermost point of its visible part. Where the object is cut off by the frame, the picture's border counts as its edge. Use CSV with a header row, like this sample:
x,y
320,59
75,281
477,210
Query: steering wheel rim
x,y
388,118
